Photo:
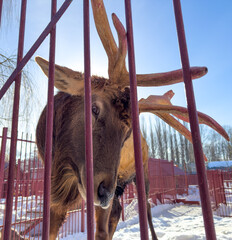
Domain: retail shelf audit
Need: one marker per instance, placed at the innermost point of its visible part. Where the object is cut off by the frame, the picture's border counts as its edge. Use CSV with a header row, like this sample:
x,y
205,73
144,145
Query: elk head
x,y
111,107
111,126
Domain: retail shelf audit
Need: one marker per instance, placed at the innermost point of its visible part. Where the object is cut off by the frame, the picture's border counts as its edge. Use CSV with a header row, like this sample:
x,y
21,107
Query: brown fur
x,y
113,155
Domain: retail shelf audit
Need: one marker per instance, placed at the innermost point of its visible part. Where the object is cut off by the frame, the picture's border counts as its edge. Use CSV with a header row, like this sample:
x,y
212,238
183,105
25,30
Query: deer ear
x,y
66,80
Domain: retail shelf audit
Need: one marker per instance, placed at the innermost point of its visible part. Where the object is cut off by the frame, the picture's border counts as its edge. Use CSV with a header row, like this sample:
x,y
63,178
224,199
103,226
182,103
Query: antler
x,y
117,71
163,108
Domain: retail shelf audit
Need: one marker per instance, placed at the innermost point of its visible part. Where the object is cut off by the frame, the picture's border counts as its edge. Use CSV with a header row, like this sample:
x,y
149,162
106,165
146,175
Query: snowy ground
x,y
171,222
178,221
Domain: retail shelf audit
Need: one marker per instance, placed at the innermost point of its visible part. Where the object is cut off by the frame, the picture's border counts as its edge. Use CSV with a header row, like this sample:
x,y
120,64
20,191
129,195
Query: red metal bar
x,y
17,186
198,152
2,158
21,140
17,194
34,47
173,182
14,128
82,216
136,129
88,126
23,183
28,186
49,130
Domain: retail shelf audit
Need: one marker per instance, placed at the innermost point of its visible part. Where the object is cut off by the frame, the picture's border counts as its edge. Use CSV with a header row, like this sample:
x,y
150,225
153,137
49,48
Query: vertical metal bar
x,y
14,128
49,129
17,186
82,216
17,194
135,124
174,183
2,158
21,180
88,126
23,183
198,152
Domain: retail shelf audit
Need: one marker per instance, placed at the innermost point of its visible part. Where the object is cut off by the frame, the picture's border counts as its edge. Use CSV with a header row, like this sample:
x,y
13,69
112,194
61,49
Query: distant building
x,y
163,167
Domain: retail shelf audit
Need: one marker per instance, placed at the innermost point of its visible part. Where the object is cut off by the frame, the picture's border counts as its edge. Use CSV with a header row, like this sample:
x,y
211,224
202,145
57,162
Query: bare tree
x,y
176,149
158,131
172,157
28,100
182,149
153,140
7,65
165,140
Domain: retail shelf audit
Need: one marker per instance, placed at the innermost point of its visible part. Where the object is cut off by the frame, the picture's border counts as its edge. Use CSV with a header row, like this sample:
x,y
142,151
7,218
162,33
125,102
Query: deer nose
x,y
104,195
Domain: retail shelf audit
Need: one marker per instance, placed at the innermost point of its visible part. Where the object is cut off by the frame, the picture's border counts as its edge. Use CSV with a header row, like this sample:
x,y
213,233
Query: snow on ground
x,y
171,222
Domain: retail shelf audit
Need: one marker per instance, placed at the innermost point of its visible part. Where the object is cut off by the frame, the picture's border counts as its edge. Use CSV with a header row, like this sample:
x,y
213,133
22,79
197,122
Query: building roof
x,y
220,164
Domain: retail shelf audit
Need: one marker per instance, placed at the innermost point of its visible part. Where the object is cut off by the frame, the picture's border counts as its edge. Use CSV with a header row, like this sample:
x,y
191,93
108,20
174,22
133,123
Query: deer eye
x,y
95,110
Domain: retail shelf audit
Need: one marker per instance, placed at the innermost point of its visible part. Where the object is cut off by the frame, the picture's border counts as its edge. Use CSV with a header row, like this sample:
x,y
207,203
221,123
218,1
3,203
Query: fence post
x,y
49,129
14,128
82,216
198,152
140,183
88,126
2,158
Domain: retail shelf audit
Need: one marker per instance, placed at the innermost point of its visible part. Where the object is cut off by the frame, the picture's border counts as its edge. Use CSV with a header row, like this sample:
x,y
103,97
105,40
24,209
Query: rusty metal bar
x,y
2,158
198,152
14,128
34,47
140,183
49,129
88,126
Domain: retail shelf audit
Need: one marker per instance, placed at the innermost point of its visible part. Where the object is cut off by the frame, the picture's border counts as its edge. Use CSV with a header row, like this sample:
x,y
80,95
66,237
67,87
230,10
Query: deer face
x,y
111,126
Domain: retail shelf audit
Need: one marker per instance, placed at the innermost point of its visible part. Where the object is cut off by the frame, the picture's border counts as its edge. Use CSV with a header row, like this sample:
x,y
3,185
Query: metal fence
x,y
16,77
167,185
28,193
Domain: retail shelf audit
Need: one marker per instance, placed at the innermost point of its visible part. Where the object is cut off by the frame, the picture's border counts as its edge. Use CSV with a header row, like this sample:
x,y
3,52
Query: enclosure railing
x,y
165,187
15,77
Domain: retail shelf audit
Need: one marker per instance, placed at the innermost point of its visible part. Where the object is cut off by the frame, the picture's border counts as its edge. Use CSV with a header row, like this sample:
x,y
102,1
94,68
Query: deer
x,y
113,158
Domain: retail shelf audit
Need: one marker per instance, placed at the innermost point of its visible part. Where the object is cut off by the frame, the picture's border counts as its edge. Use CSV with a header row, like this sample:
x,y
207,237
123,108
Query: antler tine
x,y
162,105
116,56
120,73
103,29
117,71
168,78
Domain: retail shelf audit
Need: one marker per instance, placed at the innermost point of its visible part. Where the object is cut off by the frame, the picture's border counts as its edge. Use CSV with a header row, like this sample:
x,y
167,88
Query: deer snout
x,y
104,195
104,189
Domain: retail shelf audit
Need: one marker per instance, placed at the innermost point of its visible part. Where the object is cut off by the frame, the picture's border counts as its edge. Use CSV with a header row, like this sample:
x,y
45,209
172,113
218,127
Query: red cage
x,y
28,187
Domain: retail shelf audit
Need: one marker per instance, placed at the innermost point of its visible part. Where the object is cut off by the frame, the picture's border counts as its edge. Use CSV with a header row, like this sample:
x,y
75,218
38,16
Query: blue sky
x,y
209,39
